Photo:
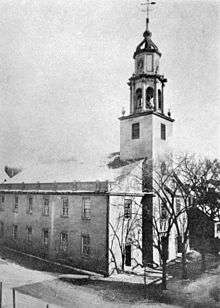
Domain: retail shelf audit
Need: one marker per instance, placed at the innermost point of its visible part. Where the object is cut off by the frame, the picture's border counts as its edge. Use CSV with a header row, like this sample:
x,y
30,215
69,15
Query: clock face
x,y
140,64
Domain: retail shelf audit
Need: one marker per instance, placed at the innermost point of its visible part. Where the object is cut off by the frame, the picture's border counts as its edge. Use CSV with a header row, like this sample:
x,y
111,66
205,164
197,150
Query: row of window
x,y
63,236
135,131
86,206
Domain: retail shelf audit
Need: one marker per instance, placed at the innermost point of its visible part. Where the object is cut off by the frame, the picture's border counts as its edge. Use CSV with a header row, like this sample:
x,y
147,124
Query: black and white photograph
x,y
109,154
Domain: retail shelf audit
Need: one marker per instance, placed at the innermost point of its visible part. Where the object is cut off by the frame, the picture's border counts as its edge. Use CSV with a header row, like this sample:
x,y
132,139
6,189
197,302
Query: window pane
x,y
163,131
135,131
127,208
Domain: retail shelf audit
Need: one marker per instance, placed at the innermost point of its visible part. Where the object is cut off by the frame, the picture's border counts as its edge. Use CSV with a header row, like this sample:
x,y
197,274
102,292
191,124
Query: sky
x,y
64,68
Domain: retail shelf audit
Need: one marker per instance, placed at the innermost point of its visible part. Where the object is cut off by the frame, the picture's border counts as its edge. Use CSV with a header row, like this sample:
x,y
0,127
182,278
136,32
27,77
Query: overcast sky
x,y
64,67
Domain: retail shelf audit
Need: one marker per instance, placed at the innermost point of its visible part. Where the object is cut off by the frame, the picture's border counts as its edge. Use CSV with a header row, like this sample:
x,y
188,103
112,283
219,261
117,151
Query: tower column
x,y
162,98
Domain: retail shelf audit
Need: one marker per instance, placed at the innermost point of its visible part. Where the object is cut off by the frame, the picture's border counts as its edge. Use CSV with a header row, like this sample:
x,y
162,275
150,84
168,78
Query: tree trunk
x,y
184,265
164,274
123,262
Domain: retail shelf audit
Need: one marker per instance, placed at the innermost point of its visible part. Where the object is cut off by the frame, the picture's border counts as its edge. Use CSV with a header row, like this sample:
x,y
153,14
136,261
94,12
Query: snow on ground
x,y
35,289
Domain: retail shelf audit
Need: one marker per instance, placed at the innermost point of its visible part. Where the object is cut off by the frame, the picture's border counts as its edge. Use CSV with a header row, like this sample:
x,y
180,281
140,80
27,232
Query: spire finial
x,y
148,4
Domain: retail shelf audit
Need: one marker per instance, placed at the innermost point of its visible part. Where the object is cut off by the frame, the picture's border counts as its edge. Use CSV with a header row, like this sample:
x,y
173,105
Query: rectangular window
x,y
16,204
86,244
163,213
218,228
15,232
135,131
86,208
45,237
46,206
163,131
65,207
29,234
1,229
128,254
30,205
63,241
2,203
127,208
149,63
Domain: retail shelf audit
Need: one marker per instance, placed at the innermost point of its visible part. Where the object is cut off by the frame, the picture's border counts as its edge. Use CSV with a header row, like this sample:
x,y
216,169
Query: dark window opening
x,y
45,237
149,98
1,229
29,234
163,131
65,207
30,205
138,99
128,254
46,201
127,208
160,103
164,213
135,131
86,208
16,204
15,232
63,241
86,244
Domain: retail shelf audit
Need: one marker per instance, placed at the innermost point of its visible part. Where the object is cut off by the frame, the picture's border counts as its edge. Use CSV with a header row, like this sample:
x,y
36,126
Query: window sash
x,y
127,208
46,206
135,130
63,241
163,131
46,237
29,234
16,203
15,232
65,207
86,245
86,208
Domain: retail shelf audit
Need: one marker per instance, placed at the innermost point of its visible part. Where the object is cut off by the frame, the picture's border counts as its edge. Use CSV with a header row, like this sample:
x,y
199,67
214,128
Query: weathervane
x,y
147,4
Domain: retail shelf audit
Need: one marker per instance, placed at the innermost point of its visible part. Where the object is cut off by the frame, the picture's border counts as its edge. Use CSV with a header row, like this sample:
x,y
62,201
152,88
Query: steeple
x,y
146,131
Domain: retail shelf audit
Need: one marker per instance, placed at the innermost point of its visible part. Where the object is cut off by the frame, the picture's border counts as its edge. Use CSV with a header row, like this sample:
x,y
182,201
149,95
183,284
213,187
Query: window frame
x,y
63,247
127,208
30,205
2,202
86,212
135,131
29,234
1,229
46,206
85,245
46,243
15,232
65,207
163,131
16,204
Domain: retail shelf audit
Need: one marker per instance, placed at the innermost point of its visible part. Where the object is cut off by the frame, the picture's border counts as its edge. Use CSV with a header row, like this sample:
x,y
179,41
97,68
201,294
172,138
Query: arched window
x,y
149,97
160,103
138,98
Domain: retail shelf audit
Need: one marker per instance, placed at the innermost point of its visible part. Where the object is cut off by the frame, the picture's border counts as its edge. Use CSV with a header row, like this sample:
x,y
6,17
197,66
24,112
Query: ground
x,y
38,283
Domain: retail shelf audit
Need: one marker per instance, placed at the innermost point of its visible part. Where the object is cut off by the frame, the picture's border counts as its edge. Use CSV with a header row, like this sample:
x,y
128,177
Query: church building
x,y
92,216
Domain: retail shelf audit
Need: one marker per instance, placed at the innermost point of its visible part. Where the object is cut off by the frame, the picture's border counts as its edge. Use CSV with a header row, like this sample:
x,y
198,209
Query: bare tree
x,y
200,178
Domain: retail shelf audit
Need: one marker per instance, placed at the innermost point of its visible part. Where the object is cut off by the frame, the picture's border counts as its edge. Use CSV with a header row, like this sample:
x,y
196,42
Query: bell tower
x,y
146,131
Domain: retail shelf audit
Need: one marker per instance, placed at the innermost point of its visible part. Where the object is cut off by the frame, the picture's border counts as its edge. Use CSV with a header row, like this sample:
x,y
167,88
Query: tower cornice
x,y
147,76
141,114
